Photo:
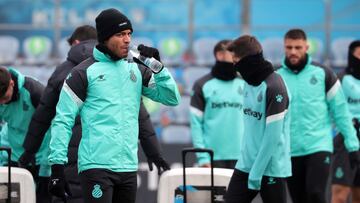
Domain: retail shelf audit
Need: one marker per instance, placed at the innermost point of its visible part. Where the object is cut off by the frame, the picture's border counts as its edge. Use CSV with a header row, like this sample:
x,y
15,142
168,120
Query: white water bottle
x,y
155,65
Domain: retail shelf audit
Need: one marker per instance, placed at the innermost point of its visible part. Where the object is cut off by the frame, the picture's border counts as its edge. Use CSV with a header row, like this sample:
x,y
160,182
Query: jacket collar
x,y
298,70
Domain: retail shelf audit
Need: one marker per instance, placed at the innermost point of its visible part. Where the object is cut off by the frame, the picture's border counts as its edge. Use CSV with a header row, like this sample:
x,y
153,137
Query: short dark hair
x,y
295,34
245,45
353,45
221,46
5,78
83,33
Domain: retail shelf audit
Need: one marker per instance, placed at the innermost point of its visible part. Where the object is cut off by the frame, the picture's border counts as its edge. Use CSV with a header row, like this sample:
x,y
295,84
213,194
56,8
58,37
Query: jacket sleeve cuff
x,y
203,159
254,184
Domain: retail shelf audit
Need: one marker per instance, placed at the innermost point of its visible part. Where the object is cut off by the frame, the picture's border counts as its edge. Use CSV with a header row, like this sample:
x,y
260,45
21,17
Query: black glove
x,y
160,163
58,185
26,158
354,158
149,52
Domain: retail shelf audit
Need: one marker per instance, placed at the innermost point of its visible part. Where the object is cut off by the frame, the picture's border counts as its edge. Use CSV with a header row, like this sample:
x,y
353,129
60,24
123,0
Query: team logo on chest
x,y
313,80
132,76
25,106
101,78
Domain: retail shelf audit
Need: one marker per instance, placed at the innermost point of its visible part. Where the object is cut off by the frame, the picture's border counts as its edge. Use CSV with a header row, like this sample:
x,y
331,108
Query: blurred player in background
x,y
346,180
19,97
216,104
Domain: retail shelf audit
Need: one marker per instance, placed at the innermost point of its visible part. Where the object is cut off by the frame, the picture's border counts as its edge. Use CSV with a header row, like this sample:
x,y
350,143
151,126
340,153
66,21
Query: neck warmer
x,y
298,67
254,69
101,47
223,71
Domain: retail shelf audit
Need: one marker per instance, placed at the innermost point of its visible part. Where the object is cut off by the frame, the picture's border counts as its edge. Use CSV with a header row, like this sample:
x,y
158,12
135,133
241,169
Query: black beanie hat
x,y
110,22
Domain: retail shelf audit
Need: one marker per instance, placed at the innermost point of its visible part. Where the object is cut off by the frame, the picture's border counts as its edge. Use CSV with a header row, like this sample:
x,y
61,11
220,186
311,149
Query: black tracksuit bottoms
x,y
310,178
105,186
272,189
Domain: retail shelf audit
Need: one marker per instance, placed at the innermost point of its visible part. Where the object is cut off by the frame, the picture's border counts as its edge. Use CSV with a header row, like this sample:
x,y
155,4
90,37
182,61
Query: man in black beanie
x,y
110,22
346,180
82,42
105,90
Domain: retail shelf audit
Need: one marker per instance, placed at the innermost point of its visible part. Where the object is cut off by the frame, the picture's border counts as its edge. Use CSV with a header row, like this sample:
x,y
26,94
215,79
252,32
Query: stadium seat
x,y
23,186
161,114
153,109
191,74
203,50
171,50
37,49
172,179
177,74
142,40
9,49
175,134
182,110
339,49
315,49
178,114
42,74
273,49
63,48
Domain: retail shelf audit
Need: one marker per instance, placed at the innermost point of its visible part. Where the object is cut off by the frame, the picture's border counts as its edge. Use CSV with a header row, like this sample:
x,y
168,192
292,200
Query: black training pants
x,y
105,186
272,189
310,176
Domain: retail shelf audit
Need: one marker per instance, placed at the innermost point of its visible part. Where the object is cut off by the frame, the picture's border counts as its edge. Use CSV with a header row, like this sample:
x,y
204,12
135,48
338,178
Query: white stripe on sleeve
x,y
333,90
275,117
196,111
72,94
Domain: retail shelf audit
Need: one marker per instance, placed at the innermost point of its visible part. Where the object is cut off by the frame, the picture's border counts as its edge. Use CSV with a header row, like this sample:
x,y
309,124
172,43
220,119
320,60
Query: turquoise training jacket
x,y
107,95
316,97
351,88
215,107
17,114
265,146
3,142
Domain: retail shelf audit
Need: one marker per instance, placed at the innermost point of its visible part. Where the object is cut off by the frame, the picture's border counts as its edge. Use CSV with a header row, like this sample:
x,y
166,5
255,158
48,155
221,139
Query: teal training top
x,y
17,114
107,95
316,97
351,88
216,106
265,147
